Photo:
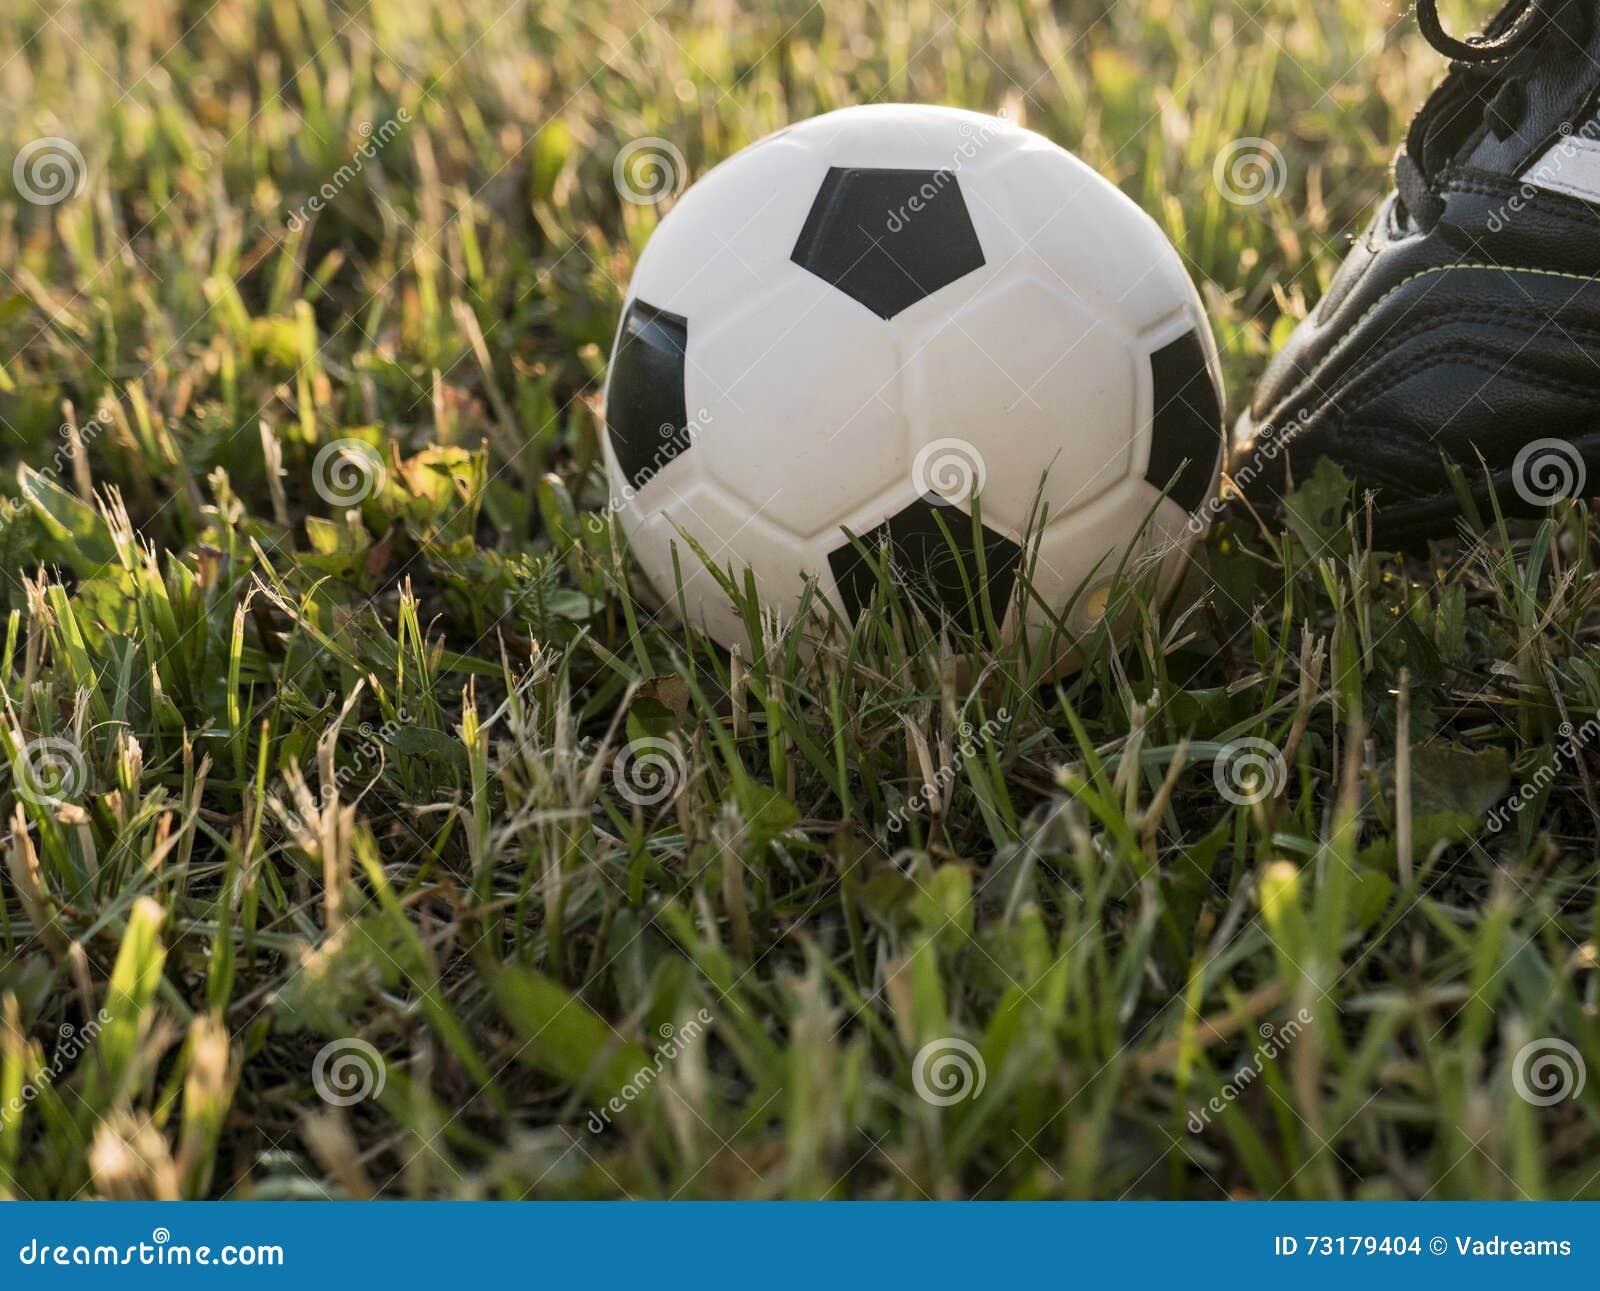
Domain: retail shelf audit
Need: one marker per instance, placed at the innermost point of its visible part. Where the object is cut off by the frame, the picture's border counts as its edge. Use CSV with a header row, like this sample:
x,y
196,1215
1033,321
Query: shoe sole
x,y
1419,520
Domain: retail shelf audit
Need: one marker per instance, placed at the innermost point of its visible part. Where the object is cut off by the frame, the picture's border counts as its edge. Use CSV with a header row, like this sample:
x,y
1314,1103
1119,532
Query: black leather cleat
x,y
1466,320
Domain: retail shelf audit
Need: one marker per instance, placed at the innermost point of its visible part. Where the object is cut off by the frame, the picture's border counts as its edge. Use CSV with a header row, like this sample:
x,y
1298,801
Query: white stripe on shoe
x,y
1571,165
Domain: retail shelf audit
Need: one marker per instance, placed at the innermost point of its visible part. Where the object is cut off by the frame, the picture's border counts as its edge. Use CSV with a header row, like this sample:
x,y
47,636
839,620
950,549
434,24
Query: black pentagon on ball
x,y
934,551
888,238
1186,432
645,414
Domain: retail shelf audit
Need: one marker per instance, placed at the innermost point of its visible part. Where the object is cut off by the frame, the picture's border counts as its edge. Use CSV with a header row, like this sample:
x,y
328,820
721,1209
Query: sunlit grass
x,y
347,776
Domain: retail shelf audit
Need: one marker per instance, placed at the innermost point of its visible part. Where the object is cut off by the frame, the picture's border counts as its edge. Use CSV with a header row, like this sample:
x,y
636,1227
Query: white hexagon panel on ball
x,y
874,317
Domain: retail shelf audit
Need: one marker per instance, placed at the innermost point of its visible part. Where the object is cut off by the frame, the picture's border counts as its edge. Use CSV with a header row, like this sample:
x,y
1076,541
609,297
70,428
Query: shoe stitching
x,y
1546,201
1447,268
1427,318
1475,354
1472,353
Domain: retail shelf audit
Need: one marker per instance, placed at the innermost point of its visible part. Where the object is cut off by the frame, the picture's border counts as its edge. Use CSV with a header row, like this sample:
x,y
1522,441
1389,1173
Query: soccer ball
x,y
843,338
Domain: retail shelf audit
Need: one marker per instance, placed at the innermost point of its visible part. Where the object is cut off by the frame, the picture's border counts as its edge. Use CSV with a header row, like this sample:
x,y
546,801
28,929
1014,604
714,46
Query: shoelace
x,y
1486,84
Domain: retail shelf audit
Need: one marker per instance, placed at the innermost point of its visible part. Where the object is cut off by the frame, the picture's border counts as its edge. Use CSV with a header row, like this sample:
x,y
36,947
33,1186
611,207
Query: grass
x,y
318,878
